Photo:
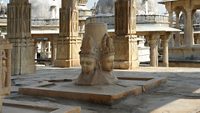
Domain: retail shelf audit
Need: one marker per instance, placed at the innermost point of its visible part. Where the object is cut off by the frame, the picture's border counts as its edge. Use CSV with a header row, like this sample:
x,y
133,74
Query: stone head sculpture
x,y
107,53
88,55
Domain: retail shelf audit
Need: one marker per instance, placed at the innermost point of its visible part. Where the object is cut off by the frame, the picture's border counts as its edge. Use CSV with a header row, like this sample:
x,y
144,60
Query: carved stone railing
x,y
5,69
45,22
140,19
152,19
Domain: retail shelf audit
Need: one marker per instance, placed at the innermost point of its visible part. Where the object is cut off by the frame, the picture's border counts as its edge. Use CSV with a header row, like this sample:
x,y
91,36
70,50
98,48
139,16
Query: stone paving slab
x,y
12,106
182,87
104,94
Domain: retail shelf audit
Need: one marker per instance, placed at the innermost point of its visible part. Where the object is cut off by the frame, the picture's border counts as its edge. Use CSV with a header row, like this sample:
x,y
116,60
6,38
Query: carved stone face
x,y
107,63
88,64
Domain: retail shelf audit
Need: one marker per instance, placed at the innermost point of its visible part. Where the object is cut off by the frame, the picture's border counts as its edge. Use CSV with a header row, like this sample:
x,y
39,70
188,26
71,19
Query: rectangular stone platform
x,y
12,106
104,94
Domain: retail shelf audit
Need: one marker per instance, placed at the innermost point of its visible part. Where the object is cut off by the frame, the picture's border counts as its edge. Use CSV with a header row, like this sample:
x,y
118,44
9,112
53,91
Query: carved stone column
x,y
165,40
19,34
54,49
49,49
177,35
189,37
153,43
68,43
171,41
126,54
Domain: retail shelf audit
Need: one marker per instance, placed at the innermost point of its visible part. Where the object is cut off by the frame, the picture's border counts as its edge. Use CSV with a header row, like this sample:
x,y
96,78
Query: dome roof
x,y
105,7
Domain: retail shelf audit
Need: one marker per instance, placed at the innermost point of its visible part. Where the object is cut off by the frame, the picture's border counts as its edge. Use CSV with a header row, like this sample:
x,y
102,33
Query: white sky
x,y
90,3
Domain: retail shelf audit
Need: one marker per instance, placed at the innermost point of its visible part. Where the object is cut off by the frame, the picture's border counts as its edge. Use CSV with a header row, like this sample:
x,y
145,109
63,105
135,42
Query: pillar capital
x,y
165,37
153,38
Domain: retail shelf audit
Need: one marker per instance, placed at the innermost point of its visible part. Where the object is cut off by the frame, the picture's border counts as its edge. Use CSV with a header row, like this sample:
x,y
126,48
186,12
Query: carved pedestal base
x,y
22,56
67,52
126,55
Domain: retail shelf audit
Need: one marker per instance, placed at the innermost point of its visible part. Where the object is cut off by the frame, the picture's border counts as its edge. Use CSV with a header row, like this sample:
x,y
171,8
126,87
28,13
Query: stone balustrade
x,y
5,69
151,19
140,19
39,22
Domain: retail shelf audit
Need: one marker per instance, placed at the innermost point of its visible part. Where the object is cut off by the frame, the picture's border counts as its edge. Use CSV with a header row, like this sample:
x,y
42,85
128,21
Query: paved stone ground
x,y
181,94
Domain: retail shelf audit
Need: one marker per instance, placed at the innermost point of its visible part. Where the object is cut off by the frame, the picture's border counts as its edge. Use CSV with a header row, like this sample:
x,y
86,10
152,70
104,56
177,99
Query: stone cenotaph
x,y
96,56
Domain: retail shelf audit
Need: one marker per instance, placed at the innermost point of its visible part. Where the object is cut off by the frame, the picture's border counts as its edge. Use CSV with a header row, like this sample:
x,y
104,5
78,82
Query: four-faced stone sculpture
x,y
96,57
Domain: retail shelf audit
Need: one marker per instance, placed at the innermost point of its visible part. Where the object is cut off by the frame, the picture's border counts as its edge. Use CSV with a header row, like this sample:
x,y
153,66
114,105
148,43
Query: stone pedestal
x,y
5,69
68,43
19,34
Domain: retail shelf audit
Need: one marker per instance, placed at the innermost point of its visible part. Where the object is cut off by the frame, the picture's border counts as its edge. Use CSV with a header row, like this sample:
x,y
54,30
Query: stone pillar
x,y
177,35
188,33
153,43
68,43
165,40
54,49
43,51
49,49
19,34
126,55
171,41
